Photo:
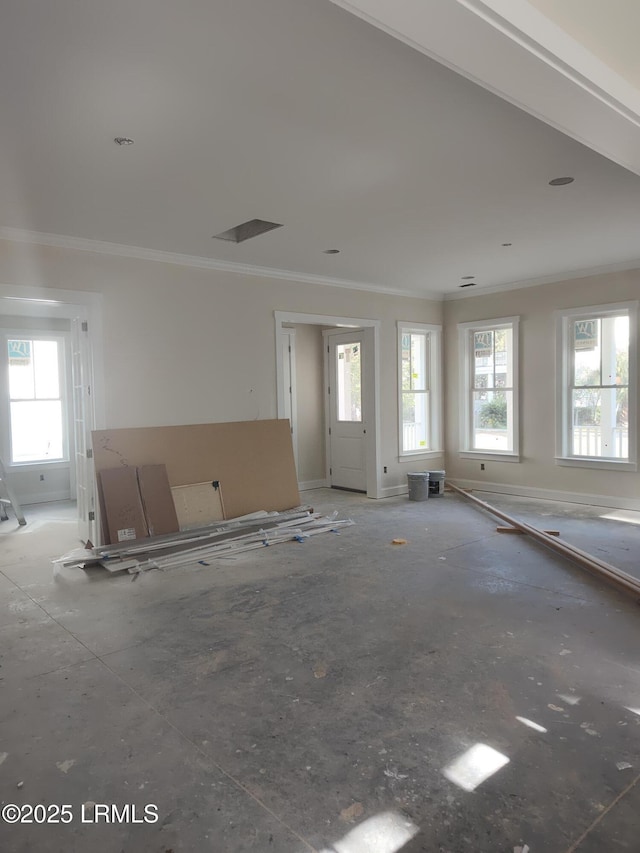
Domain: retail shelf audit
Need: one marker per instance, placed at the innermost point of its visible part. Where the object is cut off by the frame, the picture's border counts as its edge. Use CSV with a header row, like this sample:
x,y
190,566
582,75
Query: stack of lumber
x,y
247,533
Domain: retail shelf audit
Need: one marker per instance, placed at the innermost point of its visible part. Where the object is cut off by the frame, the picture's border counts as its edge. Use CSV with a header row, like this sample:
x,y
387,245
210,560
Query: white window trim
x,y
464,339
563,370
434,340
40,465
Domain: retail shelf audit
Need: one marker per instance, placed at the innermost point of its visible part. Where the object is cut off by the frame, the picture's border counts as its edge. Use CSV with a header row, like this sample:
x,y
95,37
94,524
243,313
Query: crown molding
x,y
121,250
548,279
536,33
515,52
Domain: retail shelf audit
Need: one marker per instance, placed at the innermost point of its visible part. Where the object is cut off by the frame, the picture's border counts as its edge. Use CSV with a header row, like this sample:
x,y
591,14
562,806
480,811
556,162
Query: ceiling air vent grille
x,y
247,230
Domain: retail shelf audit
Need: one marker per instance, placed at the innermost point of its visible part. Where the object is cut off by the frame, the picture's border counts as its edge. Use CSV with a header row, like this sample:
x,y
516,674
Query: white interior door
x,y
83,421
347,424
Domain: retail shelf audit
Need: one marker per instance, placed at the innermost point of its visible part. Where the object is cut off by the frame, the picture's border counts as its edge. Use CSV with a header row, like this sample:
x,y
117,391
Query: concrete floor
x,y
309,696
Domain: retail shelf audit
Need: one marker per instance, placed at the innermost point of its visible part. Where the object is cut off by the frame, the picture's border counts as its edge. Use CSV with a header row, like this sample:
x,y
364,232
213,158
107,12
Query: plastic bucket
x,y
418,486
436,483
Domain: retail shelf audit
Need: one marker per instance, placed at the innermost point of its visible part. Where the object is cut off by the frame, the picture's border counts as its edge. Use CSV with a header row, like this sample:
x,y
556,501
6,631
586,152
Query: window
x,y
36,393
349,381
489,382
596,387
419,389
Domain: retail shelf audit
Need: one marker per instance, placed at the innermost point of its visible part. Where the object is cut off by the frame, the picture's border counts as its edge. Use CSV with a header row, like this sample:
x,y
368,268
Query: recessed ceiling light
x,y
507,244
123,140
467,277
468,284
560,182
331,251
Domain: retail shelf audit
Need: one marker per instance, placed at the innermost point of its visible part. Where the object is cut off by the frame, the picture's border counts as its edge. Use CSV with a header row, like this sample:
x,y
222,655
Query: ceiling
x,y
298,112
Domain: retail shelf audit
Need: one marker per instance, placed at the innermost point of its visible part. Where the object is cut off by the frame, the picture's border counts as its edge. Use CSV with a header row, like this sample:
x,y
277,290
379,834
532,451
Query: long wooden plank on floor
x,y
521,532
581,558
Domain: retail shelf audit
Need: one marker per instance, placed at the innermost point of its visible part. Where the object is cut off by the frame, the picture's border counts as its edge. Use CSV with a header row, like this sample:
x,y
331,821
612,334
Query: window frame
x,y
433,373
465,336
64,366
564,374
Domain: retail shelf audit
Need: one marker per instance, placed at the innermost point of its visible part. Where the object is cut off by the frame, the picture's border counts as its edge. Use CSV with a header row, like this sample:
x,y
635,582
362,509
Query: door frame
x,y
290,400
372,440
72,305
330,397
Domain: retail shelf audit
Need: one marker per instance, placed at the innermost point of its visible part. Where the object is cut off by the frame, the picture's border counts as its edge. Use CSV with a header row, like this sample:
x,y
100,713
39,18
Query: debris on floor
x,y
392,773
624,765
257,530
352,812
398,541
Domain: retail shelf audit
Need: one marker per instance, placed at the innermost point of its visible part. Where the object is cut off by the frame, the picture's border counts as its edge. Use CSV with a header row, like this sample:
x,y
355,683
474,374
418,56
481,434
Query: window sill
x,y
420,454
489,455
587,462
38,466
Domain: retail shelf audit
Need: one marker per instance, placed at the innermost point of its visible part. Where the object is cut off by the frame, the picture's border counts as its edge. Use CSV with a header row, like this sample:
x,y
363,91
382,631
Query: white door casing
x,y
83,423
288,353
371,383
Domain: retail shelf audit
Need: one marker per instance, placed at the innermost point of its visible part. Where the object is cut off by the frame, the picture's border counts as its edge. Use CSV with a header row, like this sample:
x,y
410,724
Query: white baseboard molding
x,y
313,484
43,497
608,501
392,491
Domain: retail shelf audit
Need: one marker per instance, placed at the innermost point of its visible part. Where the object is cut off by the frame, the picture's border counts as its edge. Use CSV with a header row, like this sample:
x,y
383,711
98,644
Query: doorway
x,y
367,331
78,406
346,410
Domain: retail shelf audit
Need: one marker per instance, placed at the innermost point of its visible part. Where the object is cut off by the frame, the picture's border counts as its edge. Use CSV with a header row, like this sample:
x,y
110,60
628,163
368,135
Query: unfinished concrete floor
x,y
309,696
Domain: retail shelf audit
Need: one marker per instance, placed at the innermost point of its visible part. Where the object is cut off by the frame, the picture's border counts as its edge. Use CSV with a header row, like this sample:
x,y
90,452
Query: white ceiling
x,y
298,112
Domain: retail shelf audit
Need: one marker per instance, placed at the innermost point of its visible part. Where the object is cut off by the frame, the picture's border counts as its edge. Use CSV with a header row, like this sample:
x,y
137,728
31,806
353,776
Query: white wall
x,y
310,403
185,345
537,470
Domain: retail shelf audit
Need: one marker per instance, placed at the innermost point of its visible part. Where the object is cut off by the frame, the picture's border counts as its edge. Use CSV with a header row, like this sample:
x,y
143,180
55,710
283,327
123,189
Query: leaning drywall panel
x,y
123,512
252,460
157,500
198,505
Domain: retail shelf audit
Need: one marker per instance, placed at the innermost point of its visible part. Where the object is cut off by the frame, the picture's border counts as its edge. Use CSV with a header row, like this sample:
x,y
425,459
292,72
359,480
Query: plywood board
x,y
253,460
123,512
197,505
157,500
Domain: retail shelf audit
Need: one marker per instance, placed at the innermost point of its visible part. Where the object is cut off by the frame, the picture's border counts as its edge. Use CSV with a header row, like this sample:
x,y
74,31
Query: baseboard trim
x,y
608,501
392,491
44,497
307,485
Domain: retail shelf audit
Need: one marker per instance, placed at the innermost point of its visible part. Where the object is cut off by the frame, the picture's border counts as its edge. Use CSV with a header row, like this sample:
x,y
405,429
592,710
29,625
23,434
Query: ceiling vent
x,y
247,230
